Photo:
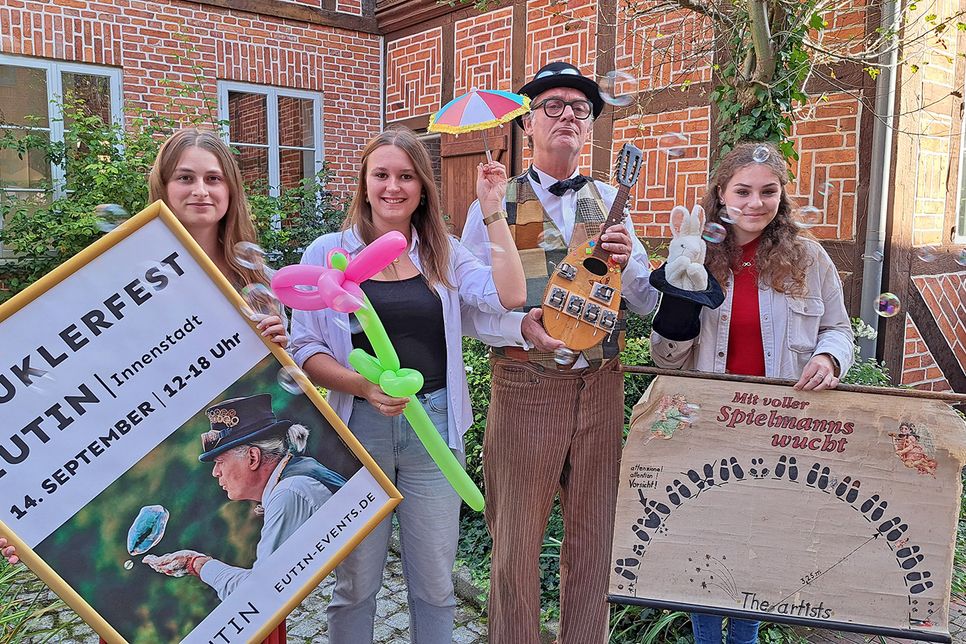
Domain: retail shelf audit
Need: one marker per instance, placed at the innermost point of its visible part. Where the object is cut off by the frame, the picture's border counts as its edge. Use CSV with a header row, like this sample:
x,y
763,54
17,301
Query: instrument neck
x,y
615,217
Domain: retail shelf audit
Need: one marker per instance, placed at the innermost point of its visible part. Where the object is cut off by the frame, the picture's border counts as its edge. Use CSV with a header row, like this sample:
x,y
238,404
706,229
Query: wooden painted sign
x,y
126,376
830,509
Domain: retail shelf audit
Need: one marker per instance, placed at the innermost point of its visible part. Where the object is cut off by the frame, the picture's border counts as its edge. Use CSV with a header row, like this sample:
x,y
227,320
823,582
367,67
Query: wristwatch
x,y
498,215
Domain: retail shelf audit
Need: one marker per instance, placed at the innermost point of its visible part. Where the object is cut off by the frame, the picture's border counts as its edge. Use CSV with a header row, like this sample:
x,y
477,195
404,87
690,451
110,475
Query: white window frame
x,y
959,237
55,94
272,95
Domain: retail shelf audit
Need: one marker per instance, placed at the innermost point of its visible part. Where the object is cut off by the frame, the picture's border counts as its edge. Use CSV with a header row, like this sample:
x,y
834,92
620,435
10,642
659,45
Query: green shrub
x,y
109,164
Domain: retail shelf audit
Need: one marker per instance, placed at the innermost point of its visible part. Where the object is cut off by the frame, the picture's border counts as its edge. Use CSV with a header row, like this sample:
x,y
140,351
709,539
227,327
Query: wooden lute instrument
x,y
584,292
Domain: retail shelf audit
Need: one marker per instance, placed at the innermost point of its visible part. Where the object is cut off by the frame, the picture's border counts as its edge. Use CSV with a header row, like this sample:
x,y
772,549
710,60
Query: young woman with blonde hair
x,y
418,299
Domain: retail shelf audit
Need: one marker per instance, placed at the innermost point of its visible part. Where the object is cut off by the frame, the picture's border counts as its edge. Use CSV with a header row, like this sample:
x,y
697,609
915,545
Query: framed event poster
x,y
832,509
128,376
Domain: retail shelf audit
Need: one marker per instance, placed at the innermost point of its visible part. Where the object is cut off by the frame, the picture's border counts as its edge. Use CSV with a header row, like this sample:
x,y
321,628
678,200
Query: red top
x,y
746,353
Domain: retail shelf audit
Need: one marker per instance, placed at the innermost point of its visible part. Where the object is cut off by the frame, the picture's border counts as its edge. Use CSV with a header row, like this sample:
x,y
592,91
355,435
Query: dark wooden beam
x,y
518,76
416,123
448,58
603,133
935,341
401,18
291,11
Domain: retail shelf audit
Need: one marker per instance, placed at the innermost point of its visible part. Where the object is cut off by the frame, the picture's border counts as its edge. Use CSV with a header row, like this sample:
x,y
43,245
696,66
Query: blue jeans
x,y
428,519
707,629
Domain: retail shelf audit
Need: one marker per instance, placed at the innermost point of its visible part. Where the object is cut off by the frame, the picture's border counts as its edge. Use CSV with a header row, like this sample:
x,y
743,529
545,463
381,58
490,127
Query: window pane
x,y
93,91
23,93
253,163
247,118
295,165
295,127
33,171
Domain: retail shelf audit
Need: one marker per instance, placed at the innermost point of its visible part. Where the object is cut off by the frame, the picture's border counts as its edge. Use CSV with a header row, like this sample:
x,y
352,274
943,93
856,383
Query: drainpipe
x,y
882,133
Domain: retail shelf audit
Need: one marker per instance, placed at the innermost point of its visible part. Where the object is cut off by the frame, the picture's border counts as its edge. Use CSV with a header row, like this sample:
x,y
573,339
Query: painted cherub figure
x,y
911,452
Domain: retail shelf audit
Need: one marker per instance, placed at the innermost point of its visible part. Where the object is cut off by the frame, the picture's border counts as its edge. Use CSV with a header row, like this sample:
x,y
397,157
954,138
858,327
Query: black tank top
x,y
412,314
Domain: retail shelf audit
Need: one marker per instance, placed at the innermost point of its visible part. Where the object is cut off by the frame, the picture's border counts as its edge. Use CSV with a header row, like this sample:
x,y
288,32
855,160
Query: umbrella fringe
x,y
485,125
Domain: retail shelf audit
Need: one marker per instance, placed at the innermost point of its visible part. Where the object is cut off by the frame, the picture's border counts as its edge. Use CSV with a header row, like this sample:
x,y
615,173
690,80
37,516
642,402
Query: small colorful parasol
x,y
479,109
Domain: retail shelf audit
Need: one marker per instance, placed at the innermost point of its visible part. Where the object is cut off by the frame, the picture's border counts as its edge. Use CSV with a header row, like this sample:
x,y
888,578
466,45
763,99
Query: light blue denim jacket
x,y
326,331
793,329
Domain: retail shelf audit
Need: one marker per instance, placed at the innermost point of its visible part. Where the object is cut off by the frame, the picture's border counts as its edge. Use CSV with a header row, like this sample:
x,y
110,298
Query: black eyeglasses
x,y
554,107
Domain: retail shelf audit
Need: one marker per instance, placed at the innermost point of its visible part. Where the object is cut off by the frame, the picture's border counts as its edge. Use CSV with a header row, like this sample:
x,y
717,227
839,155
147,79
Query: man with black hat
x,y
551,428
256,458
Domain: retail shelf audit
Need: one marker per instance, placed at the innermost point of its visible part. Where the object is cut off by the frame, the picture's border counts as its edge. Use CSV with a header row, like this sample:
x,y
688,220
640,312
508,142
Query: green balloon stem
x,y
376,332
442,455
387,360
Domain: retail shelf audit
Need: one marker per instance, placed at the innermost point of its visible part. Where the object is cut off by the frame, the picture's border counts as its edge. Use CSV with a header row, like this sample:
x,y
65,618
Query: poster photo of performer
x,y
187,525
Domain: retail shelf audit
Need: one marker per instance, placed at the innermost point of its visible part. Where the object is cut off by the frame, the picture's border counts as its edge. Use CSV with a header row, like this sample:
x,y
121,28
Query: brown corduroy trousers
x,y
550,431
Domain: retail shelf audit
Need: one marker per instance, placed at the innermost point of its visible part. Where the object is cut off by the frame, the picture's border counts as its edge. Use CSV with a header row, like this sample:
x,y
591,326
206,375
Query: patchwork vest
x,y
542,247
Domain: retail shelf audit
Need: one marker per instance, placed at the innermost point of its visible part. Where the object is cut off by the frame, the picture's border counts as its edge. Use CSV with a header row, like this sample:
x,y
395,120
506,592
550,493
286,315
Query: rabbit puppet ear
x,y
679,217
697,219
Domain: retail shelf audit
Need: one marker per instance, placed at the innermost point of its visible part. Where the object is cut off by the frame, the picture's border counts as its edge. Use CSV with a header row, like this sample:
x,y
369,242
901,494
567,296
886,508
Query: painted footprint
x,y
755,472
622,566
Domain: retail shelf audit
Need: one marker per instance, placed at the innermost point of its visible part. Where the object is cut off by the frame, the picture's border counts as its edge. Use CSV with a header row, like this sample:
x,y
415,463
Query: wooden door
x,y
459,156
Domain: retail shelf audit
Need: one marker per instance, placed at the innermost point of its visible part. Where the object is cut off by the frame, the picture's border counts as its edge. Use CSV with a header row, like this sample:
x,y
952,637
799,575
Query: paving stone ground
x,y
307,623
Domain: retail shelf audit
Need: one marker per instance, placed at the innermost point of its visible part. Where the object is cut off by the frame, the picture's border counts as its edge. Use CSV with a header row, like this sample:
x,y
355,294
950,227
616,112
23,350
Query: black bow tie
x,y
574,183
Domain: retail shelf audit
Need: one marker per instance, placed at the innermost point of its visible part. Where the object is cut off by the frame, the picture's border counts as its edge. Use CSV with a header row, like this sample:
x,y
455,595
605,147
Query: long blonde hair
x,y
781,257
427,219
236,226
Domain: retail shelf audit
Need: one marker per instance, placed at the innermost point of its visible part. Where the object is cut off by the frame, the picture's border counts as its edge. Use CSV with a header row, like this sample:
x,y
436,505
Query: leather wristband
x,y
489,219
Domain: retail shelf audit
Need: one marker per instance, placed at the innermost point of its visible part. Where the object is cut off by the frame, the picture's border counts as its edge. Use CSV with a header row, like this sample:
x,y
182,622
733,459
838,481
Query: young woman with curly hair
x,y
783,314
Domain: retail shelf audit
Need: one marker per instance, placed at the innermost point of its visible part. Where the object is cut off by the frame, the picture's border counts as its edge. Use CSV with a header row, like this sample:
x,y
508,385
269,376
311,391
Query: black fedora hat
x,y
561,74
238,421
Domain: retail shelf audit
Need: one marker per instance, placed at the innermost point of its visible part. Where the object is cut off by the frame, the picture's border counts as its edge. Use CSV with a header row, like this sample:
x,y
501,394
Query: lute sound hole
x,y
595,266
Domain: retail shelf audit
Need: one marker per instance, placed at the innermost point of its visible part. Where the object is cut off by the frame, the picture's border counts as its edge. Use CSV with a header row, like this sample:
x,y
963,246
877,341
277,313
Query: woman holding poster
x,y
196,176
418,299
783,314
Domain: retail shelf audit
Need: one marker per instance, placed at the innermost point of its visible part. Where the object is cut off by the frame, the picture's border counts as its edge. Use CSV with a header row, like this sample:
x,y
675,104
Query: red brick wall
x,y
483,52
159,42
414,78
945,296
919,369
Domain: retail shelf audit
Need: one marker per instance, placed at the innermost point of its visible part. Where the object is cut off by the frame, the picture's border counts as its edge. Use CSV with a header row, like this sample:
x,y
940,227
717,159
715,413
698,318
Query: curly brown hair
x,y
781,257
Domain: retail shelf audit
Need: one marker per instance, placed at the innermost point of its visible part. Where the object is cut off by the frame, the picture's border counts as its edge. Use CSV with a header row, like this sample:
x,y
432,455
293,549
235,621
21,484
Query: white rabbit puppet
x,y
685,257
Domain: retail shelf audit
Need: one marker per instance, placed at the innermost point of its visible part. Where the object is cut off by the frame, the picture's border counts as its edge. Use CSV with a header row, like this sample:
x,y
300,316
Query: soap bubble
x,y
260,302
109,216
729,214
249,255
808,217
761,154
875,256
887,305
961,257
564,356
826,188
551,239
349,323
289,378
128,564
714,233
147,529
611,85
927,253
673,144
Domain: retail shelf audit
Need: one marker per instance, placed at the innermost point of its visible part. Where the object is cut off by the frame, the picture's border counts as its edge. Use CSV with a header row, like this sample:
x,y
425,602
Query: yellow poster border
x,y
158,210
